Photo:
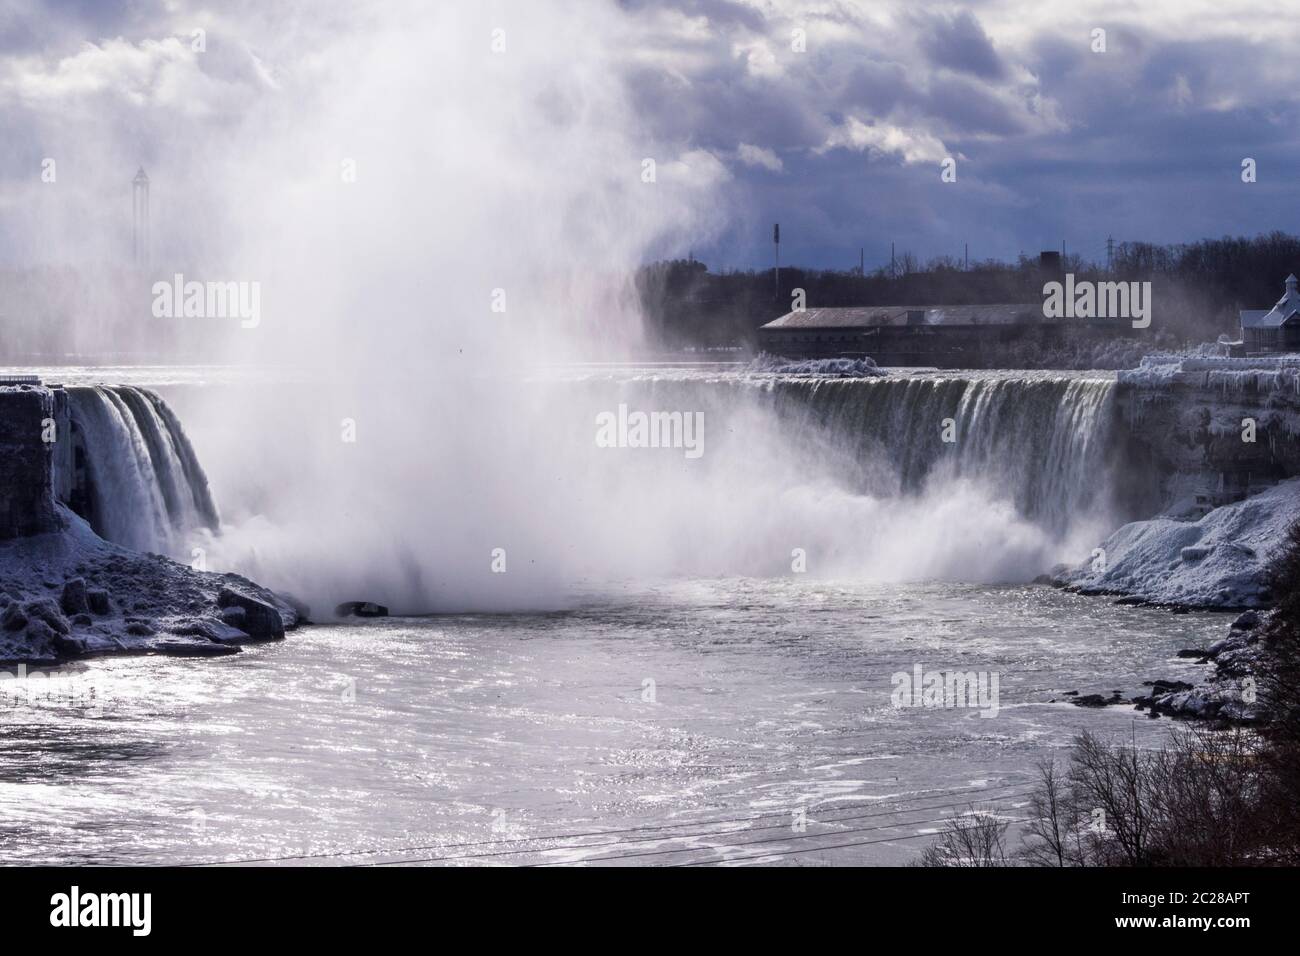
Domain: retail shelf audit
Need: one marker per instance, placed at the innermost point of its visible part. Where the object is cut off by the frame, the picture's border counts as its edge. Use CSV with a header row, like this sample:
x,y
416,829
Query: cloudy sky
x,y
833,117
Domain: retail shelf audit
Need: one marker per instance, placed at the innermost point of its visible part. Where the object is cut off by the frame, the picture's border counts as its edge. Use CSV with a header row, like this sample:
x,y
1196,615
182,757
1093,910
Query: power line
x,y
683,836
332,854
718,833
788,839
813,849
809,849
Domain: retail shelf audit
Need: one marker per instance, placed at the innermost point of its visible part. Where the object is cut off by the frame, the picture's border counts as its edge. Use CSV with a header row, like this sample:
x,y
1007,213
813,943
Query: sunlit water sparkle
x,y
770,695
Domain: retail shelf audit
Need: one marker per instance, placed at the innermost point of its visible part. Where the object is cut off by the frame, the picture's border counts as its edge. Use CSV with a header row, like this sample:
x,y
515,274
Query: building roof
x,y
1281,314
887,315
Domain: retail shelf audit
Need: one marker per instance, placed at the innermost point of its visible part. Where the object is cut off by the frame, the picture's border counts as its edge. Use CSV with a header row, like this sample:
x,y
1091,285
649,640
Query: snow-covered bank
x,y
1218,561
69,593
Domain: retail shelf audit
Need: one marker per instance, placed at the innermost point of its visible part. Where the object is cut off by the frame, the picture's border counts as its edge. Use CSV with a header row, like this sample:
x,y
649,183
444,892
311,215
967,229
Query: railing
x,y
20,380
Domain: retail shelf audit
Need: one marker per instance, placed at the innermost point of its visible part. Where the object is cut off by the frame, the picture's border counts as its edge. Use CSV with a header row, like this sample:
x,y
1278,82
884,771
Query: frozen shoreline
x,y
70,594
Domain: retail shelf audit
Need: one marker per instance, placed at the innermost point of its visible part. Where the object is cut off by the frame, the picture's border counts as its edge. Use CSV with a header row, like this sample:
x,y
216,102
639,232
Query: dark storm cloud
x,y
1057,141
722,109
840,141
880,87
958,42
968,107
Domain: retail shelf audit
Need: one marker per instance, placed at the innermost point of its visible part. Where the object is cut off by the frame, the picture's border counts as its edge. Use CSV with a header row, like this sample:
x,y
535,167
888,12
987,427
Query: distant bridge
x,y
20,380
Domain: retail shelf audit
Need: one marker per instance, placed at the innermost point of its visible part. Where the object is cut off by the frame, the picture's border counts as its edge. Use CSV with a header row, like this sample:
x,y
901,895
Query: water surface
x,y
473,737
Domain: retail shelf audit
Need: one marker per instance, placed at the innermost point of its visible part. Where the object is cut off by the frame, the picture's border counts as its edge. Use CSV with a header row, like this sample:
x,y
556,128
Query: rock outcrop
x,y
361,609
1212,429
69,593
30,416
1229,693
260,620
73,601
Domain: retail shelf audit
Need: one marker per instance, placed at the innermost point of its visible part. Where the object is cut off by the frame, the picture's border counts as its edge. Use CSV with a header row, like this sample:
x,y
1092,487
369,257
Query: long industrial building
x,y
944,336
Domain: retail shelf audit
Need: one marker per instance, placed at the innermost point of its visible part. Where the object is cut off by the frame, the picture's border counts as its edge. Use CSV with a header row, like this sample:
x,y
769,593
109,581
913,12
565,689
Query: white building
x,y
1276,329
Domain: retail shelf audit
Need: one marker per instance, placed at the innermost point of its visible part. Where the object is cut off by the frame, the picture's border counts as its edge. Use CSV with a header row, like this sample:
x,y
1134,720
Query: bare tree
x,y
1052,836
1112,783
976,838
1206,792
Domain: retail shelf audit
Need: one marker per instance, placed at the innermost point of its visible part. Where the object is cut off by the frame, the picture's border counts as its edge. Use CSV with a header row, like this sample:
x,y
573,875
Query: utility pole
x,y
965,261
892,274
1110,254
776,243
862,261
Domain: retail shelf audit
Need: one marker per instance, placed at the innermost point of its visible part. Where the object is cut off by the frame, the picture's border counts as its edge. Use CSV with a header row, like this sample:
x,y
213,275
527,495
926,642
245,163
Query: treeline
x,y
1197,288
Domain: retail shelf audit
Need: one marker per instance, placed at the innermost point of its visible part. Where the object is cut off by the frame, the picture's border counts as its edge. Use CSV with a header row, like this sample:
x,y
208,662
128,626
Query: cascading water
x,y
1044,440
144,486
972,476
851,475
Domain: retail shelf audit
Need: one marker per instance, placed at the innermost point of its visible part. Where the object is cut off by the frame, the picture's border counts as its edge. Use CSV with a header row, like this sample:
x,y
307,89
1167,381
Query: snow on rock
x,y
1277,373
260,619
1230,692
70,593
1216,562
823,368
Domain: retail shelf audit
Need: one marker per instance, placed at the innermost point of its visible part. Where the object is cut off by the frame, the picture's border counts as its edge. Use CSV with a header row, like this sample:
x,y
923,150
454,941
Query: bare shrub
x,y
976,838
1199,801
1054,833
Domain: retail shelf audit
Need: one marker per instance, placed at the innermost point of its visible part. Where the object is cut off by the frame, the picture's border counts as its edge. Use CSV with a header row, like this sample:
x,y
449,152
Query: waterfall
x,y
140,484
848,478
1043,440
1046,443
